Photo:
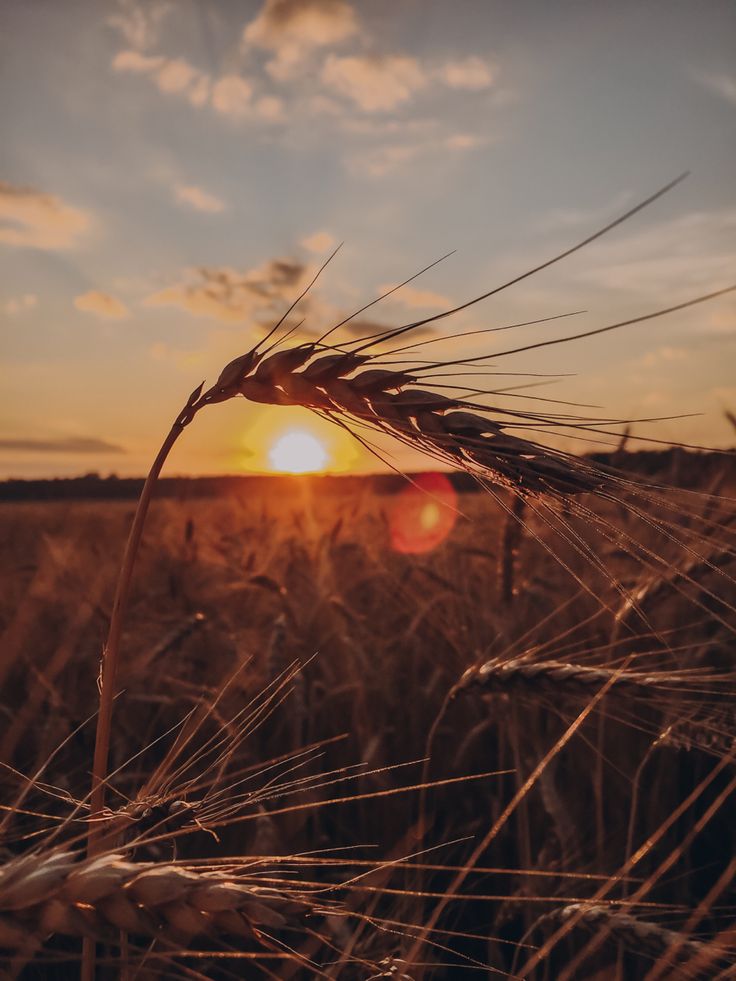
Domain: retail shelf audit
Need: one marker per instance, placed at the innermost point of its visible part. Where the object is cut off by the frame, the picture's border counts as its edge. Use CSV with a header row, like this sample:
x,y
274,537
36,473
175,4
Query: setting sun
x,y
298,452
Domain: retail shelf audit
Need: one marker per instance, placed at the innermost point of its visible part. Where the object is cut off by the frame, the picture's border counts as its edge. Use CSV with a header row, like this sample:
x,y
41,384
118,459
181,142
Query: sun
x,y
298,451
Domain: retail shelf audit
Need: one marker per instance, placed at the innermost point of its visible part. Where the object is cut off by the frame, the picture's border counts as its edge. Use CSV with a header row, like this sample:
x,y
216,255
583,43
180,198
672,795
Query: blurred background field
x,y
382,601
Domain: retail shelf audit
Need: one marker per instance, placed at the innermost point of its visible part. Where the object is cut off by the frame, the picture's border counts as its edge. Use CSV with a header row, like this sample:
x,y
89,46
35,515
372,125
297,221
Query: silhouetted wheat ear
x,y
559,678
382,399
638,936
55,893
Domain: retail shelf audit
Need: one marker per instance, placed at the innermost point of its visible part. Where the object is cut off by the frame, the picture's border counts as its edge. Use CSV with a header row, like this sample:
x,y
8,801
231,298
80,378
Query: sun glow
x,y
298,451
291,439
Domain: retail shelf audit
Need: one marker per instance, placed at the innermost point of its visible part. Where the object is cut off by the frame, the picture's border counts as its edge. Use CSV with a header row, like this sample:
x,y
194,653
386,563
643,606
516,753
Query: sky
x,y
173,172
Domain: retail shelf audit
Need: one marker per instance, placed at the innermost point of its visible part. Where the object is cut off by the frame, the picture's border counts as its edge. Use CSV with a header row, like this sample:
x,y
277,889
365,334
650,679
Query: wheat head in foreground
x,y
44,893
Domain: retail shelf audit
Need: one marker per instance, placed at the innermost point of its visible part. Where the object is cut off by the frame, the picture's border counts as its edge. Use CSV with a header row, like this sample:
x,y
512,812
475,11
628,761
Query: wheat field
x,y
368,496
333,757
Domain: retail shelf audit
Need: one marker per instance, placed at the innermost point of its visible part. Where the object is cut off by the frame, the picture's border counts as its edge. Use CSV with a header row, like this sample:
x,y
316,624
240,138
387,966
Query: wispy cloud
x,y
662,356
69,444
293,28
140,23
232,296
101,305
313,76
472,74
197,198
171,76
270,108
375,83
20,304
416,298
32,219
668,261
136,63
720,83
379,161
259,296
319,242
177,75
568,217
183,359
232,95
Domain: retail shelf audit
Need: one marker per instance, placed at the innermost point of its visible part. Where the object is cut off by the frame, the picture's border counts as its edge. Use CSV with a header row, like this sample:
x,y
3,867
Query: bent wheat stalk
x,y
110,659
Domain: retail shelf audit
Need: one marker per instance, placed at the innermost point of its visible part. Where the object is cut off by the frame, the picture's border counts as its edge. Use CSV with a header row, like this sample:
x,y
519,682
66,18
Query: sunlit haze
x,y
172,175
297,452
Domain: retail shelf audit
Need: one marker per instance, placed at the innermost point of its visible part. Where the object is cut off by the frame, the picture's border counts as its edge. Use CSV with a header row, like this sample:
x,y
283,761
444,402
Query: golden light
x,y
291,439
298,451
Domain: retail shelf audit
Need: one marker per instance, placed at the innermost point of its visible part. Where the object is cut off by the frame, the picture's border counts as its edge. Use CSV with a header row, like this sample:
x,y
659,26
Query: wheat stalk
x,y
54,893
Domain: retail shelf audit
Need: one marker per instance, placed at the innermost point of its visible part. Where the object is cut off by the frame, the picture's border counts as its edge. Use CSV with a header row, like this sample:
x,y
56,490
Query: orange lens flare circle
x,y
423,514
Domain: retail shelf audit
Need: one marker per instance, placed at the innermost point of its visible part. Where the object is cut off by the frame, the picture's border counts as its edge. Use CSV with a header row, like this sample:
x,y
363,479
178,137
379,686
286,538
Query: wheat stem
x,y
111,651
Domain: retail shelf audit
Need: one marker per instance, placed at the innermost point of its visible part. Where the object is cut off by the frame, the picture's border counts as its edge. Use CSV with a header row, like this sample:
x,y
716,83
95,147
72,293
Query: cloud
x,y
293,28
259,297
197,198
600,214
232,296
663,355
382,160
671,260
199,92
177,75
231,96
69,444
720,84
472,74
32,219
171,76
319,242
137,63
374,83
186,360
270,108
19,304
140,23
464,141
417,299
101,305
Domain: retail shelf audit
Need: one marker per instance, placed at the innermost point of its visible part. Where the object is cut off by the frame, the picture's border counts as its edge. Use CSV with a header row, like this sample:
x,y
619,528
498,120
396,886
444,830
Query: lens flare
x,y
297,452
423,514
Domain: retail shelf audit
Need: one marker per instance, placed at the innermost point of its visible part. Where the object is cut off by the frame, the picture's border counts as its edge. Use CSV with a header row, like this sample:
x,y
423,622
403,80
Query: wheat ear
x,y
41,894
638,936
558,677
